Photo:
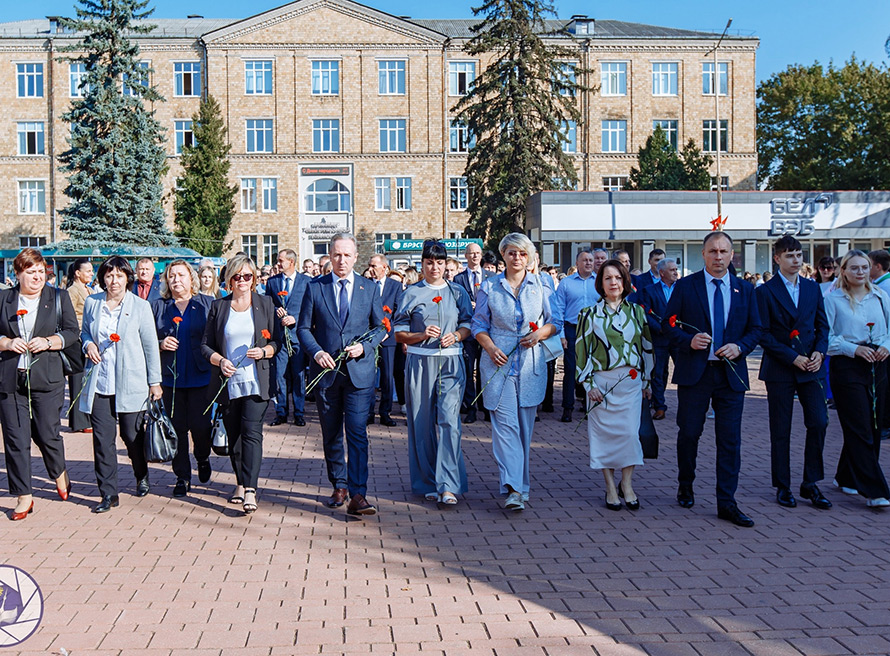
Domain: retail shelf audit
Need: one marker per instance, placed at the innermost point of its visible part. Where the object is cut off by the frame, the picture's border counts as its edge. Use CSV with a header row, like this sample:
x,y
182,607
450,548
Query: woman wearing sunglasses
x,y
238,340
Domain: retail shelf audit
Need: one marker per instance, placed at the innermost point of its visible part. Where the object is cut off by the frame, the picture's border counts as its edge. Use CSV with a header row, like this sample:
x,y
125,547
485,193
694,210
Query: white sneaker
x,y
877,503
514,502
845,490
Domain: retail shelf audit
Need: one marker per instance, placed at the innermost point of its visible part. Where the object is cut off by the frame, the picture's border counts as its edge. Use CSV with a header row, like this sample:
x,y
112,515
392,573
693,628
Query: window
x,y
143,82
326,135
460,141
614,182
392,135
670,130
327,195
270,196
567,76
184,135
76,74
614,136
380,240
381,194
30,80
259,135
249,246
32,242
460,77
403,236
460,197
325,78
613,79
391,75
707,78
270,249
709,136
31,138
664,79
724,183
32,197
258,77
569,131
187,78
403,194
248,194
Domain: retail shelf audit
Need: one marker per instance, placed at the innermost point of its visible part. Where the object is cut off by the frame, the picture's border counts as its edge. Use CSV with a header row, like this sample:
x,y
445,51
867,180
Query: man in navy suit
x,y
390,292
652,276
654,299
339,308
287,289
794,340
713,323
471,279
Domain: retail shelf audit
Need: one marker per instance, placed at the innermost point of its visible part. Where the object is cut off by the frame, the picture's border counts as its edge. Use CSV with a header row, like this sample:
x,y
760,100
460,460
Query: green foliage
x,y
516,108
696,168
662,168
116,159
205,202
825,129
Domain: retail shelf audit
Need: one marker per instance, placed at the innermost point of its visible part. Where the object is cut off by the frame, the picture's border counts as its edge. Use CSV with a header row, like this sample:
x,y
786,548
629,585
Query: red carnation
x,y
266,334
437,299
672,320
794,334
633,374
282,293
21,313
388,309
532,325
177,319
114,337
387,324
870,324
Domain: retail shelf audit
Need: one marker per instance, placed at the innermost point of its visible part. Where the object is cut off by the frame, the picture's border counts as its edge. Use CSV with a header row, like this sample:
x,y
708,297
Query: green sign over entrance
x,y
393,246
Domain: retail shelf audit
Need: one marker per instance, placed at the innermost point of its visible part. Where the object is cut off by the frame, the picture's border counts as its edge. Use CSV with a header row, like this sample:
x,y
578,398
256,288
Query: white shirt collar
x,y
709,277
348,278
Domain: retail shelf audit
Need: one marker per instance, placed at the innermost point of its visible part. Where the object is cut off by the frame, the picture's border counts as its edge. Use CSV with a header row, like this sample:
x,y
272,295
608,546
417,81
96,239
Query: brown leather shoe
x,y
358,505
659,414
338,498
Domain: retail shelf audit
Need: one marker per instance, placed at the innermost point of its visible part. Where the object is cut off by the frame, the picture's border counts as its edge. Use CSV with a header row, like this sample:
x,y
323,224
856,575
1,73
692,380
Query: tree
x,y
205,202
663,168
696,168
825,129
518,110
116,159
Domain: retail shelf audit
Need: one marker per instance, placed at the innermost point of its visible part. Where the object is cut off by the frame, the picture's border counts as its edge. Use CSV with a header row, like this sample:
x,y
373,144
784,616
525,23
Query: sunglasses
x,y
827,268
246,277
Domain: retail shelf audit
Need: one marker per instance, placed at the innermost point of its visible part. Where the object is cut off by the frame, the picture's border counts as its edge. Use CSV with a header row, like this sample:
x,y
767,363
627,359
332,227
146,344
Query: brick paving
x,y
162,576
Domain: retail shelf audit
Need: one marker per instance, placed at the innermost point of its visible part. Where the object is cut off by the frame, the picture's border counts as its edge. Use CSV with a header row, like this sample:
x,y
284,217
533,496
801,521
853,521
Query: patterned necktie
x,y
344,303
719,317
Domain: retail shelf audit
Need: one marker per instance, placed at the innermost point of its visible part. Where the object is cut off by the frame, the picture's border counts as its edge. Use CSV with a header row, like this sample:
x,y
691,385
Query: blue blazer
x,y
392,296
292,303
780,318
652,298
643,280
319,327
689,302
164,309
463,279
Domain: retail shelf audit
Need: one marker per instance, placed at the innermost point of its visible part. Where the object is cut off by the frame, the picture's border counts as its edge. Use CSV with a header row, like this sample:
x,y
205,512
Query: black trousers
x,y
243,419
780,396
568,365
42,427
77,420
385,367
551,375
472,353
106,420
400,362
188,417
859,398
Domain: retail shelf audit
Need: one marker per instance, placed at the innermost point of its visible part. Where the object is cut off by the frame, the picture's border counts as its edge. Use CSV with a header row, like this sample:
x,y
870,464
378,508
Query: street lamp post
x,y
716,86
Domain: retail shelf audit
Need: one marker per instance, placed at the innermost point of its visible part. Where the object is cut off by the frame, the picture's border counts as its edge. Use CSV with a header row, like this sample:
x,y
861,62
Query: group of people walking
x,y
173,343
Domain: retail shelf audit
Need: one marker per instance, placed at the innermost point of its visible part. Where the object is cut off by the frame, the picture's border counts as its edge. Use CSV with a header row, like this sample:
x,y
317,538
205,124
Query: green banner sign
x,y
393,246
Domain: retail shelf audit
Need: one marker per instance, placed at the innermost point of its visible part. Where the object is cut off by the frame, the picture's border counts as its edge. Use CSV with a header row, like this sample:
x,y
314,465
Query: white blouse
x,y
239,332
848,321
26,326
106,377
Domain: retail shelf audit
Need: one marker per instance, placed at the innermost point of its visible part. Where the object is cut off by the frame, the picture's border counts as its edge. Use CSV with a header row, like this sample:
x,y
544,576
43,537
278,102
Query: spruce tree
x,y
696,168
660,167
517,109
205,202
116,159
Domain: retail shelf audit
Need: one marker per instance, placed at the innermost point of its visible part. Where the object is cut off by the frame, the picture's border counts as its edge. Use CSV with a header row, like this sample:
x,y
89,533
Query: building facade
x,y
340,116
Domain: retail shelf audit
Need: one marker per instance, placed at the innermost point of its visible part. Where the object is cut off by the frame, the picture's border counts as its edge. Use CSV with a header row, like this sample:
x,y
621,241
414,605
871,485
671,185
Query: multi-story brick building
x,y
340,115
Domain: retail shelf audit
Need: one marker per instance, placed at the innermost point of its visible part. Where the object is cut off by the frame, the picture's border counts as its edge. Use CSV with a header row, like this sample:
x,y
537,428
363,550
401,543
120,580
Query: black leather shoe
x,y
815,496
486,415
566,416
386,420
685,496
632,505
204,470
299,421
278,421
785,498
181,488
142,487
736,516
612,506
107,503
471,417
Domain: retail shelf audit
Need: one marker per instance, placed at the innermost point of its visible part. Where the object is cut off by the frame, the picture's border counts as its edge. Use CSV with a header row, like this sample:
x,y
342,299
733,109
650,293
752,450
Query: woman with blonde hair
x,y
208,283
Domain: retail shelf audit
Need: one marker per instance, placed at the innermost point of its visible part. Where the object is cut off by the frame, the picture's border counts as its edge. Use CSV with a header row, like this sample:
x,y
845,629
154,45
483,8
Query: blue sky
x,y
790,31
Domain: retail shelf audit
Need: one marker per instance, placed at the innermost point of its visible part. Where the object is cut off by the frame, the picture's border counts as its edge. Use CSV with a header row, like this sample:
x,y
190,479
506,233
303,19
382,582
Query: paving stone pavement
x,y
160,576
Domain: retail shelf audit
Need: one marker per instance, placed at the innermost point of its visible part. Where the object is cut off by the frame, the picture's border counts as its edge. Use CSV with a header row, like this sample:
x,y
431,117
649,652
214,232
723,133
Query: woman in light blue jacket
x,y
512,318
124,369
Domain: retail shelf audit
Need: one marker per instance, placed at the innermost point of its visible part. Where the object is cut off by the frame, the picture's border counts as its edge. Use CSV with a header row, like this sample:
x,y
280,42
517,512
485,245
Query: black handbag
x,y
648,435
73,358
219,439
161,441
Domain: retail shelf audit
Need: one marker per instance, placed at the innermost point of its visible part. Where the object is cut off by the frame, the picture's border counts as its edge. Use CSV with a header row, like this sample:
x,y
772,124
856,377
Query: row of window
x,y
619,182
325,78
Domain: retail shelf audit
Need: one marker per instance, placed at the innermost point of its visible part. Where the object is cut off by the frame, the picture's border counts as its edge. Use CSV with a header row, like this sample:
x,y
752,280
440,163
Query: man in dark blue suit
x,y
287,289
390,291
794,340
338,309
470,279
654,299
713,323
650,277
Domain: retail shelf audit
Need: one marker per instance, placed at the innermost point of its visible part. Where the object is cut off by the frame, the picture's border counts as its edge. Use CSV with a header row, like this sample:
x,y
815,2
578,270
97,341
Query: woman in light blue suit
x,y
121,345
512,317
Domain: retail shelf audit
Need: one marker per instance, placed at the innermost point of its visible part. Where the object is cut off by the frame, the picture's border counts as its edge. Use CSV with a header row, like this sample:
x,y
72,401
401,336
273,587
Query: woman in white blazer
x,y
122,350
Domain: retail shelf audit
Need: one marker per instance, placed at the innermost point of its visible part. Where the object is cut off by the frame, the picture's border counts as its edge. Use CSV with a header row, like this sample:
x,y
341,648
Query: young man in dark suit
x,y
713,322
389,291
470,279
794,340
338,308
286,289
650,277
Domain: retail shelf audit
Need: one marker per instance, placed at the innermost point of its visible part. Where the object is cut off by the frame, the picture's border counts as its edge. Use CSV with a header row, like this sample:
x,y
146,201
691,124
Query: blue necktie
x,y
287,285
344,303
719,317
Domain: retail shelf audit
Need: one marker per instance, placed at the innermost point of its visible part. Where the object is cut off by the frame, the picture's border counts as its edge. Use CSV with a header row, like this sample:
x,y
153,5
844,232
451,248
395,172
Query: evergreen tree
x,y
116,158
696,168
205,202
660,167
517,110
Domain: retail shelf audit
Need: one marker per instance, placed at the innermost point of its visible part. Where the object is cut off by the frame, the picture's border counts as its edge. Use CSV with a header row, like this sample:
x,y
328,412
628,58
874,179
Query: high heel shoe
x,y
63,494
248,506
16,516
612,506
633,505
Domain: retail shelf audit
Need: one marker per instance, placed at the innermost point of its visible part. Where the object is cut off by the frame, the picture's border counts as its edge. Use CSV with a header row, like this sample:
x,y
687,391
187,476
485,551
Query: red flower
x,y
437,299
387,324
870,324
266,334
532,325
476,285
388,309
672,320
282,293
650,311
633,374
114,337
795,333
177,319
21,313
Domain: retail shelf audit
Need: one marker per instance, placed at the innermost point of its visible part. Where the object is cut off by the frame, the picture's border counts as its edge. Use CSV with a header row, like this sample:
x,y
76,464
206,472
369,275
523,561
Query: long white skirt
x,y
613,427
